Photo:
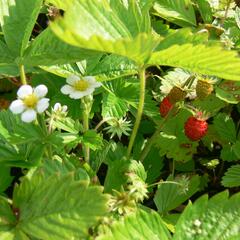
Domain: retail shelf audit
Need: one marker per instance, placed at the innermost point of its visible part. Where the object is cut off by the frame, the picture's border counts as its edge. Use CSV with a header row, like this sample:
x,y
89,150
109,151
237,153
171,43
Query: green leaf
x,y
117,173
106,27
62,70
113,106
27,133
67,213
205,10
153,164
12,70
79,68
231,178
92,139
170,196
6,213
5,54
62,167
198,58
217,218
47,50
180,12
5,178
140,225
8,154
228,153
126,92
60,3
112,67
67,124
17,20
212,105
225,127
172,140
229,91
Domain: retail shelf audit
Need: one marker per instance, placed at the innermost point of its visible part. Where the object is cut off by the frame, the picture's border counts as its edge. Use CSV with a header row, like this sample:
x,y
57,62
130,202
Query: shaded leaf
x,y
170,196
177,11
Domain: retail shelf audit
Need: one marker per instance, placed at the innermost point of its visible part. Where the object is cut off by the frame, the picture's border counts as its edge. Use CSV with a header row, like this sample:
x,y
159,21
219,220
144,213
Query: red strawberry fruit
x,y
165,106
196,127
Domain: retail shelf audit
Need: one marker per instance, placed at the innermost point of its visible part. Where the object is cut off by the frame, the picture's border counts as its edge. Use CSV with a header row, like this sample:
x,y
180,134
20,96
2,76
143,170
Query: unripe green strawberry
x,y
195,127
165,107
176,94
203,88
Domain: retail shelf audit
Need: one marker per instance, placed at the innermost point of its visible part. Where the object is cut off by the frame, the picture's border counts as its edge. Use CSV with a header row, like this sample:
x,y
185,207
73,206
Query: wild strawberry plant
x,y
119,119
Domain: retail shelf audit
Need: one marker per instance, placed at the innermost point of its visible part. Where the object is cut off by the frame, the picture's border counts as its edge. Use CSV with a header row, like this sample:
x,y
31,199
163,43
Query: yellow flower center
x,y
81,85
30,100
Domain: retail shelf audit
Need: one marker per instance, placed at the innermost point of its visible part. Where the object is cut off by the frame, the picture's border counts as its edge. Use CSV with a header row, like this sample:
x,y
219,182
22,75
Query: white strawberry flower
x,y
77,87
30,102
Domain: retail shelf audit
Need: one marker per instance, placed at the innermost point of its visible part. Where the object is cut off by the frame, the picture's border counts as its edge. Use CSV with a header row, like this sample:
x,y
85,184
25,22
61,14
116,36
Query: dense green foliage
x,y
102,162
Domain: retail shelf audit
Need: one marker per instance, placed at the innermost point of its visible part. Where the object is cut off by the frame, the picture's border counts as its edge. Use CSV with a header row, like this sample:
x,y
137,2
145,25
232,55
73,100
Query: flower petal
x,y
42,105
56,107
67,89
80,94
24,91
29,115
96,84
64,108
40,91
90,79
72,79
17,106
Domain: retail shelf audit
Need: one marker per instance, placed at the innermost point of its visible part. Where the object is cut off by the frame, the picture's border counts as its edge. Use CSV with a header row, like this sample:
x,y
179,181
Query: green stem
x,y
22,74
154,137
165,182
139,112
102,122
42,124
226,11
86,150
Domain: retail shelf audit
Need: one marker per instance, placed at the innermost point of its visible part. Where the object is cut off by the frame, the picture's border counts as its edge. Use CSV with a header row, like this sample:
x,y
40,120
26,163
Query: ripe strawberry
x,y
165,106
195,127
203,88
177,94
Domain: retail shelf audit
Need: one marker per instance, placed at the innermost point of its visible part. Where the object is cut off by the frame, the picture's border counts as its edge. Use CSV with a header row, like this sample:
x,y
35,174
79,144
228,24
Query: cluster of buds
x,y
125,201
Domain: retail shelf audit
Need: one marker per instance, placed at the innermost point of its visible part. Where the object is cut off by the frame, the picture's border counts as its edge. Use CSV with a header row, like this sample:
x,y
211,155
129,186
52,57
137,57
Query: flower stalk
x,y
86,106
142,77
22,74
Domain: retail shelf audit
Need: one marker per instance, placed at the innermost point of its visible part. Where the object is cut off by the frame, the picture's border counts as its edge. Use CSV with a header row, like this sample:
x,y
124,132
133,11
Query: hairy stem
x,y
102,122
226,11
22,74
85,128
87,104
139,112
